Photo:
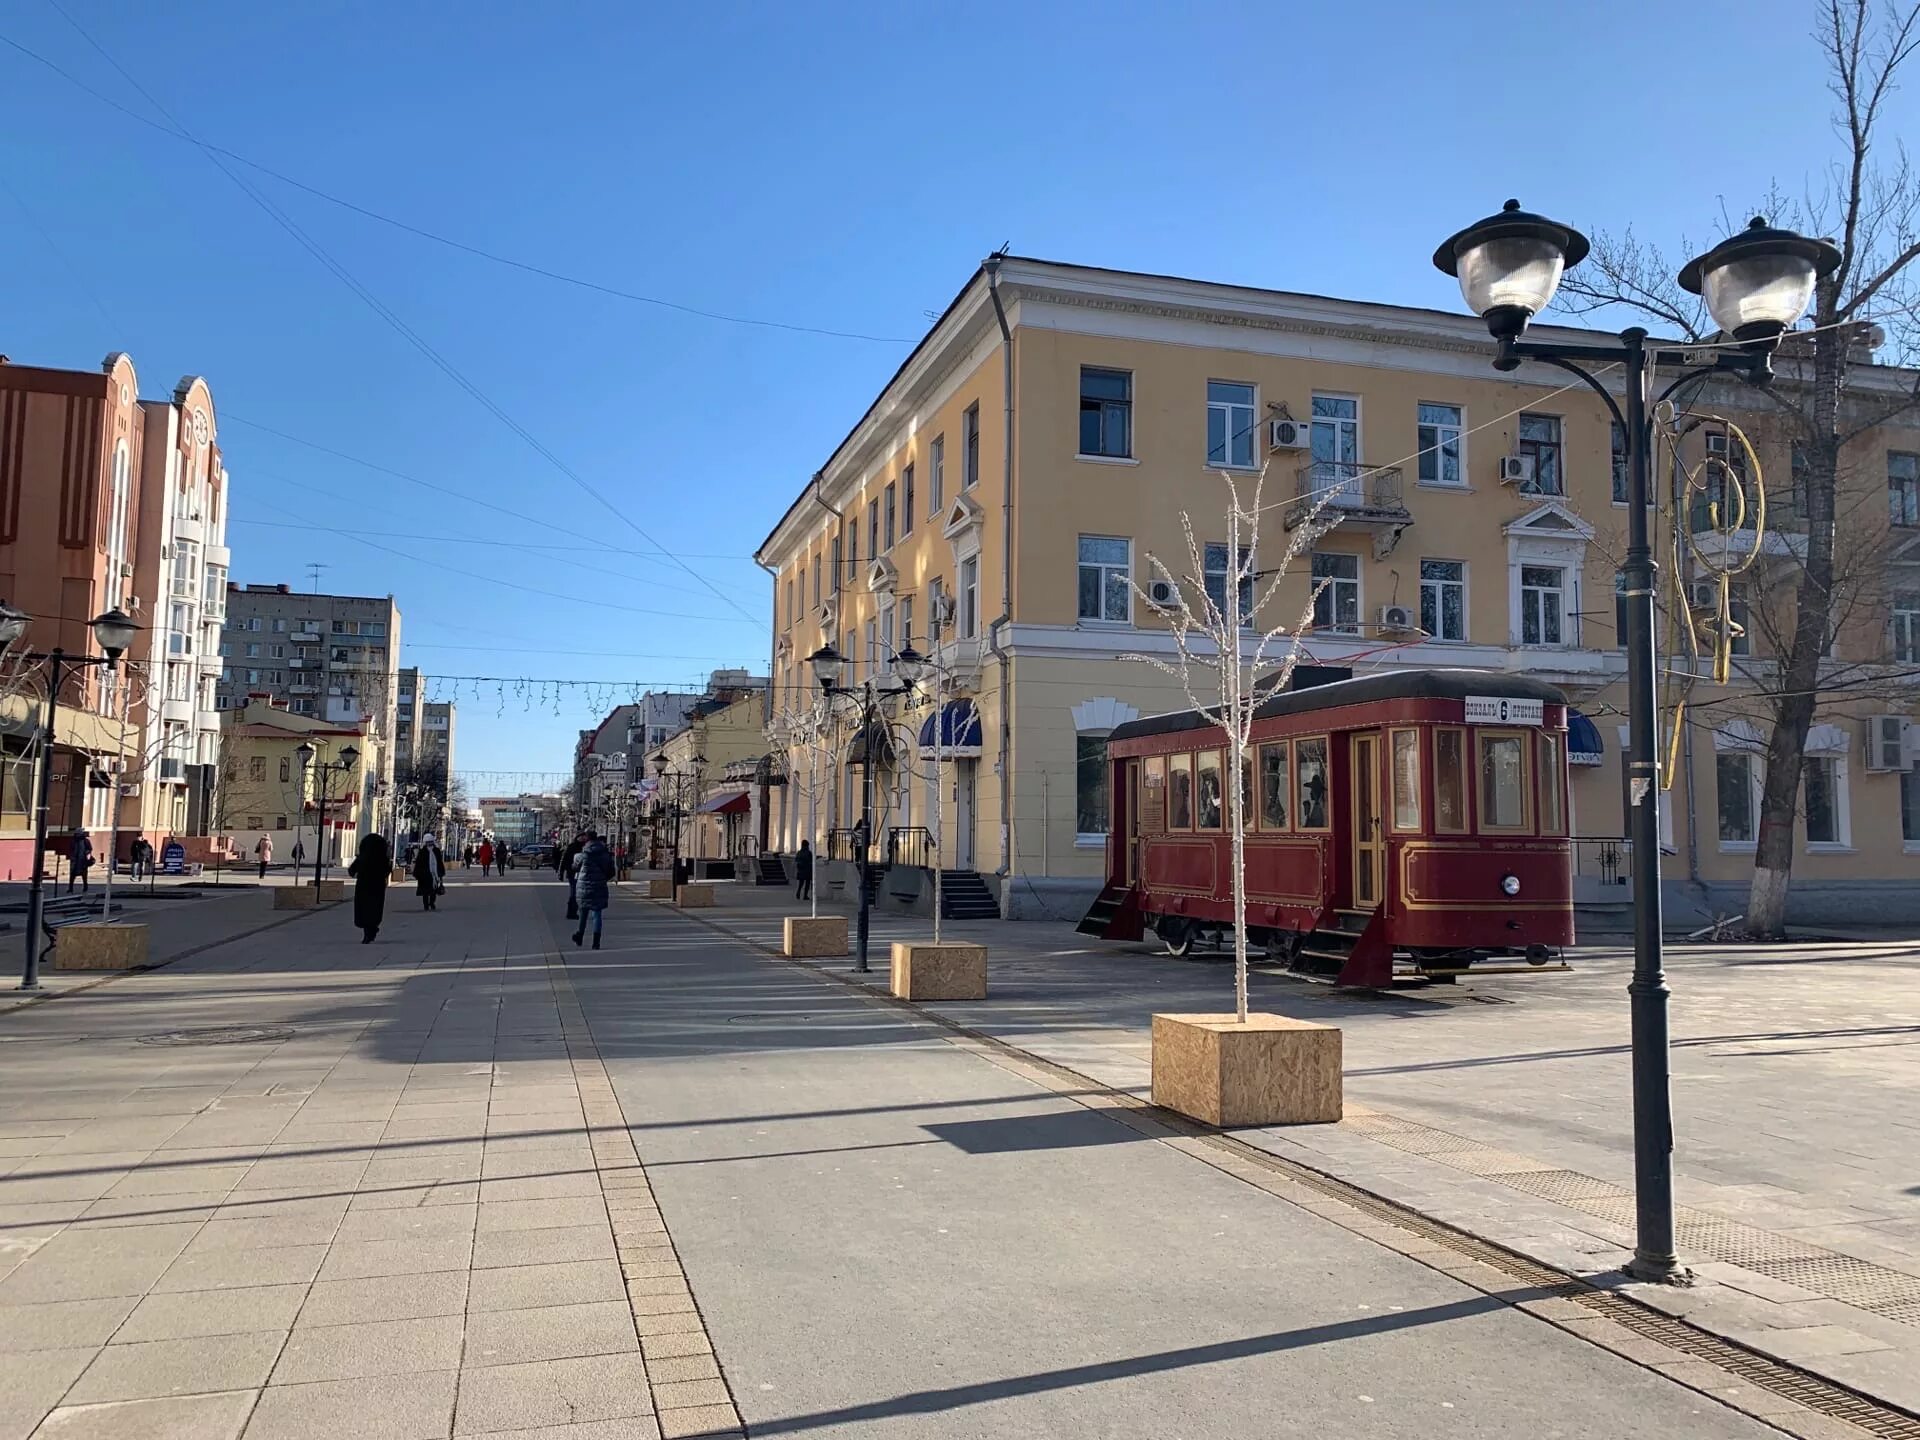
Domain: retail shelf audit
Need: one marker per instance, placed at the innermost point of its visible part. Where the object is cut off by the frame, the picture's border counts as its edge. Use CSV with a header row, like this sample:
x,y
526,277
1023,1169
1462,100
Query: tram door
x,y
1131,793
1369,836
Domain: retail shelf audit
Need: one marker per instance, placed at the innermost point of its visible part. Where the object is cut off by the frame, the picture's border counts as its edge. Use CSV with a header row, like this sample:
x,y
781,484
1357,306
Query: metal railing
x,y
1601,857
840,844
1348,485
910,845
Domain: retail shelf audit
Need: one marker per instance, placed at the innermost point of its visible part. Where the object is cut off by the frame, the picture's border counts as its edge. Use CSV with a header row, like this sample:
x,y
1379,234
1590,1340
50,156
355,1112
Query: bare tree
x,y
1870,205
1221,649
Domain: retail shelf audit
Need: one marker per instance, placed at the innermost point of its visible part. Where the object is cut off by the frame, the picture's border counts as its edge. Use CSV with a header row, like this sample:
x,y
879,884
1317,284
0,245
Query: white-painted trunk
x,y
1767,901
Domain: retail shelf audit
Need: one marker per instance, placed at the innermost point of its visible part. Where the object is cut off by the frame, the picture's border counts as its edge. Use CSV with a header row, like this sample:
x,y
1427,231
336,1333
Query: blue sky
x,y
842,167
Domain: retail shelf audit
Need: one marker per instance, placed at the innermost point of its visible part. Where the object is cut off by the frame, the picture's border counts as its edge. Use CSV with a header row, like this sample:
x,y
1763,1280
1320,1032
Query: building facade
x,y
266,791
409,702
998,502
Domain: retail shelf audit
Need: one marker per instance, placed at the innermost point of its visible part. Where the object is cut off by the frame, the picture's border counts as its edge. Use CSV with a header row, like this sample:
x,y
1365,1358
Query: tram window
x,y
1310,770
1153,794
1503,781
1246,792
1180,792
1450,781
1273,786
1207,780
1549,780
1406,779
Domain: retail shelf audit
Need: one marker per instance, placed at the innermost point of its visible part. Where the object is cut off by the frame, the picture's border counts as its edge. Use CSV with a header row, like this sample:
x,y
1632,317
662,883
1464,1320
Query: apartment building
x,y
408,703
265,790
997,503
331,657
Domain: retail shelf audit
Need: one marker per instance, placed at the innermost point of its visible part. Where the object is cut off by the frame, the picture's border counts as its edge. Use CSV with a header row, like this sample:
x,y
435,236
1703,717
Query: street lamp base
x,y
30,986
1657,1271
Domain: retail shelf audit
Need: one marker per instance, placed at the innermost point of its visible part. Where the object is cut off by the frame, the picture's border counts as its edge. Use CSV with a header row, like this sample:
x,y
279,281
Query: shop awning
x,y
734,804
874,741
958,733
1584,746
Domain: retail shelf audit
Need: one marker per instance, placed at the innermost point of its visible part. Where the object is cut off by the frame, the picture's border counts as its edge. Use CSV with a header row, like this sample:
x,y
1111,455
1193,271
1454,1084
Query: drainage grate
x,y
1907,1312
1498,1164
1563,1185
1738,1244
1858,1282
221,1035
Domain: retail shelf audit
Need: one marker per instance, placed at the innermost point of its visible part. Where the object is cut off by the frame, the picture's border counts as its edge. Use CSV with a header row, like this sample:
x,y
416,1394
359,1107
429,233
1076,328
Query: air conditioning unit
x,y
941,608
1289,434
1887,744
1397,619
1516,469
1703,595
1162,594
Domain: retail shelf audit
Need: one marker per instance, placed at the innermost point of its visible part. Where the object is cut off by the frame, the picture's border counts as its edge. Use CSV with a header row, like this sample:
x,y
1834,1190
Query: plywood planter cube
x,y
923,970
330,890
1269,1070
811,936
88,946
659,887
294,897
694,896
400,872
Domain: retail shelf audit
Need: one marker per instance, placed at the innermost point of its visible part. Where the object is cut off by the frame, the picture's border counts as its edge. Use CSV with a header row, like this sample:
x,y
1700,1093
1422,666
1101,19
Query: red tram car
x,y
1412,823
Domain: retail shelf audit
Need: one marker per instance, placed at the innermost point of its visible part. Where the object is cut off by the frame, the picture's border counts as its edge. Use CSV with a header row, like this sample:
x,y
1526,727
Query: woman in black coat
x,y
429,870
371,869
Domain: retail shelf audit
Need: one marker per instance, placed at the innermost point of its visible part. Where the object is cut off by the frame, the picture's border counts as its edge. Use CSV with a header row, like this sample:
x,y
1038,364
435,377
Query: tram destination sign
x,y
1499,710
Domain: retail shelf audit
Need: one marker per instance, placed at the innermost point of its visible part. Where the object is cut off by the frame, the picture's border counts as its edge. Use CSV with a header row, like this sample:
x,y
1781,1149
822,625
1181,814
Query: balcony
x,y
306,637
303,687
1351,493
172,769
185,587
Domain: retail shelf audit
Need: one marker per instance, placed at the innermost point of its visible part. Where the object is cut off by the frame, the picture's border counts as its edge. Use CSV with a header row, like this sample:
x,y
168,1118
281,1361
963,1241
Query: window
x,y
1273,786
1736,777
1738,612
887,647
890,515
1540,439
1180,792
873,527
1105,565
1903,488
253,622
792,613
1106,413
1229,424
1443,599
286,769
1549,777
1503,781
906,502
1542,605
278,652
836,568
853,543
1826,801
256,767
1906,625
1336,442
1215,567
1153,794
280,627
816,578
1310,776
936,474
1910,807
374,628
1799,467
876,657
1450,781
906,621
1336,602
1207,783
1406,779
970,448
1617,458
253,649
1090,784
1440,436
970,597
936,594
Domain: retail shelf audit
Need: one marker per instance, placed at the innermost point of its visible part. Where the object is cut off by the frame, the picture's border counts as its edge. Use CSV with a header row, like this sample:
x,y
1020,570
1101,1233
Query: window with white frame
x,y
1741,614
1910,807
1906,625
1091,798
970,448
1106,413
970,597
906,502
1903,488
1335,442
1543,605
1441,436
1106,566
906,621
1737,786
1230,423
1540,440
1336,603
1215,567
936,474
887,647
892,516
1824,797
1617,462
1443,599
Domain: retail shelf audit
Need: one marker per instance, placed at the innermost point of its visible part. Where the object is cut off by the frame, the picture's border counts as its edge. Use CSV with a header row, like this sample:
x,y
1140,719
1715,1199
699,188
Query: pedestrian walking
x,y
429,875
142,856
504,857
299,853
486,855
466,857
79,860
263,852
803,871
592,873
569,861
372,867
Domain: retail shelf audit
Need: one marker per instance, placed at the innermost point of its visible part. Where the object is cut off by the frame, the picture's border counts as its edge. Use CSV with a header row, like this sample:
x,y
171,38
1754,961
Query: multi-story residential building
x,y
266,791
433,750
997,503
408,702
332,657
70,519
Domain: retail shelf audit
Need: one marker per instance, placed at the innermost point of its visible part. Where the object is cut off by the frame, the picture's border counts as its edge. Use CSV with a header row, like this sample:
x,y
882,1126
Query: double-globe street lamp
x,y
113,630
675,784
349,755
1755,284
828,666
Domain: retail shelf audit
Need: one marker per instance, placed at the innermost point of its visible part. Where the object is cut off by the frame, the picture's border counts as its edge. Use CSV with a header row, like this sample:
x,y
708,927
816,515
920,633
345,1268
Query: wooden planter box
x,y
659,887
812,936
694,896
294,897
400,873
88,945
330,890
923,970
1272,1070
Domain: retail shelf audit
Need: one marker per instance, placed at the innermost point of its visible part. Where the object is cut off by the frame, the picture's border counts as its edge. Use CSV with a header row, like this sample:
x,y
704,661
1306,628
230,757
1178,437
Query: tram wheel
x,y
1178,936
1538,955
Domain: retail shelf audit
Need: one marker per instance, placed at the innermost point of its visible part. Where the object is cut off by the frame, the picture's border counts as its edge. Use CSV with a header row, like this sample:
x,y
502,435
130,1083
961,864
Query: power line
x,y
436,238
394,321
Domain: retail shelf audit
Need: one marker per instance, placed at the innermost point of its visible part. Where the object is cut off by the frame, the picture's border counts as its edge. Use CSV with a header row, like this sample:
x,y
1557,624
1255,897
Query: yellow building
x,y
702,790
1482,524
264,790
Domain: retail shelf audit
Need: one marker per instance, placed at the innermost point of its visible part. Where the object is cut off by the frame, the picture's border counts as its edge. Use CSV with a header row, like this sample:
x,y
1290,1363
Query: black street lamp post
x,y
1756,284
324,773
114,631
673,805
828,665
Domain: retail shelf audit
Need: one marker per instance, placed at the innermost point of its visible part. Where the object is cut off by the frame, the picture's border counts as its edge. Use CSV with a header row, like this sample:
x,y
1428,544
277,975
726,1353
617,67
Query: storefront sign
x,y
173,858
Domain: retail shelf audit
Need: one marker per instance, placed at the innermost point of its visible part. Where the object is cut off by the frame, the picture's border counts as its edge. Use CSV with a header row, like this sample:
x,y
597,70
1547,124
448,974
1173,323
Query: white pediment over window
x,y
783,649
882,576
1103,714
1828,740
1739,735
961,525
830,613
1551,521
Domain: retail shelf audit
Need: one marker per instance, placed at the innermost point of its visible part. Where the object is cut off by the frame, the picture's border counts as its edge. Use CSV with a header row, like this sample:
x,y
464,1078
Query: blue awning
x,y
1584,746
958,734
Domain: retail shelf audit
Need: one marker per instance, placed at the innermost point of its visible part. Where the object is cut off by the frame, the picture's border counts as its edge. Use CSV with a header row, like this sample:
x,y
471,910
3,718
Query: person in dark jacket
x,y
429,871
592,877
569,859
372,867
79,860
803,871
142,854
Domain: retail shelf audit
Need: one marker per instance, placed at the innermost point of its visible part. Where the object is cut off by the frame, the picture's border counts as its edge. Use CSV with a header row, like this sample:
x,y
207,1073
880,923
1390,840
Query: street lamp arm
x,y
1549,357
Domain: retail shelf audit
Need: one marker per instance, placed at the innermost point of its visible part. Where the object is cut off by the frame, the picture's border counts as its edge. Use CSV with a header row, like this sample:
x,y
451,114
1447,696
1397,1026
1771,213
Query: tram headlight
x,y
1510,884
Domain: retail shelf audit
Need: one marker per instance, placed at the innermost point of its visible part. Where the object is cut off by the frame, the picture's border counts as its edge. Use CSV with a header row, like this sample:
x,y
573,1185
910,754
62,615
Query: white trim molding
x,y
1103,714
